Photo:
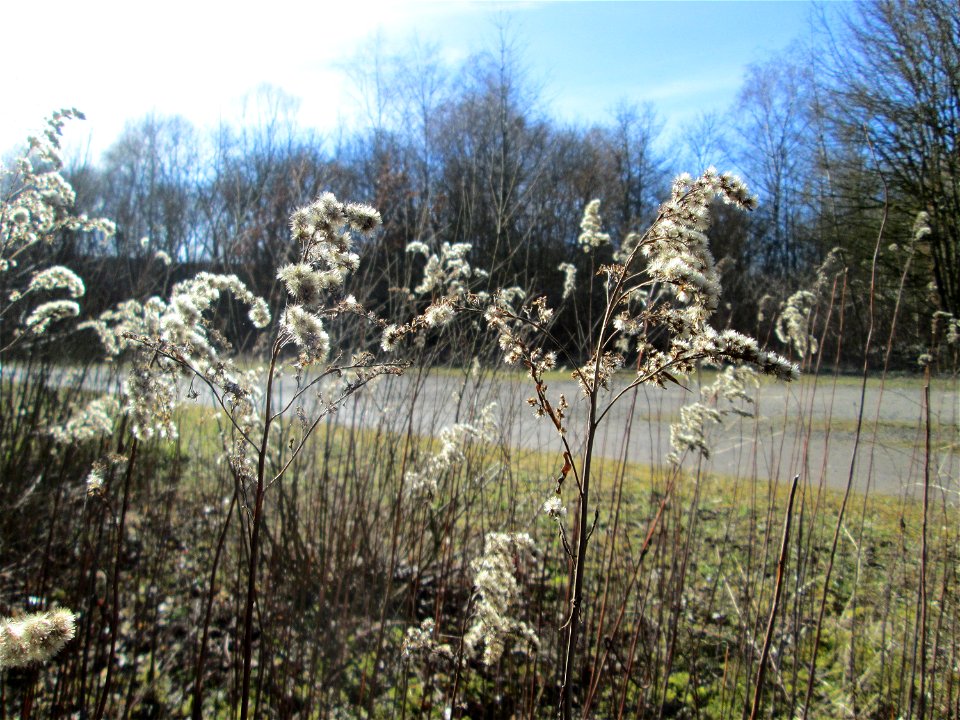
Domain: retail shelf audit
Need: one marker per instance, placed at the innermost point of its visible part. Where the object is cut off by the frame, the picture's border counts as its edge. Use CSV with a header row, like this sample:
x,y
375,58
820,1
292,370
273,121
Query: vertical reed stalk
x,y
251,597
771,622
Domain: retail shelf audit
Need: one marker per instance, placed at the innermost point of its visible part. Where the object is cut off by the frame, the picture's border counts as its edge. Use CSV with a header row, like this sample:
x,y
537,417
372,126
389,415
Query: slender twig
x,y
352,388
922,594
335,369
771,621
255,540
160,349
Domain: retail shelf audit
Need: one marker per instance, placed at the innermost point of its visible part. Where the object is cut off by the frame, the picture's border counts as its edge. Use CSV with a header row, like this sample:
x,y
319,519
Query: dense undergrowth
x,y
352,563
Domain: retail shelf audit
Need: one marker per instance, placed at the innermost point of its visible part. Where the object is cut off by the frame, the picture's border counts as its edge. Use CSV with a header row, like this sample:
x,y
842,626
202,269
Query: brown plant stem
x,y
778,590
921,701
255,540
583,530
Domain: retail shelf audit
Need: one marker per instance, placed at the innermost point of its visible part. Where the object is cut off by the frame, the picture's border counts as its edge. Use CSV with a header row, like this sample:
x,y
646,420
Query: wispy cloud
x,y
120,60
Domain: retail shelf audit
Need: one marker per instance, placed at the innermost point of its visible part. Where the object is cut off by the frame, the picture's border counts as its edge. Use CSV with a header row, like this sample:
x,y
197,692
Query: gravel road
x,y
804,427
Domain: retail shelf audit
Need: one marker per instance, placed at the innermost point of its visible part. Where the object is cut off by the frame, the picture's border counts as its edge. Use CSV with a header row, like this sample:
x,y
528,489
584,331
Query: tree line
x,y
844,143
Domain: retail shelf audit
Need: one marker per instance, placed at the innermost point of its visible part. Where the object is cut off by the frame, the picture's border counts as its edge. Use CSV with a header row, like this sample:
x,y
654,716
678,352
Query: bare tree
x,y
703,141
640,170
895,77
148,180
775,152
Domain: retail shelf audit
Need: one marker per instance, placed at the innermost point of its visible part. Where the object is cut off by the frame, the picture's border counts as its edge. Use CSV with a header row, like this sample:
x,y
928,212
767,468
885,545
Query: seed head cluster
x,y
325,231
36,206
794,323
447,272
718,399
423,483
591,235
89,421
498,592
35,638
569,271
180,327
663,285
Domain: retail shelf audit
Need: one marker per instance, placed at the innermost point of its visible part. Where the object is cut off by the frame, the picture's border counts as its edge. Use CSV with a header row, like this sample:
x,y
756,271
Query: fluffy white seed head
x,y
57,278
35,638
439,314
498,593
591,235
48,313
569,278
306,331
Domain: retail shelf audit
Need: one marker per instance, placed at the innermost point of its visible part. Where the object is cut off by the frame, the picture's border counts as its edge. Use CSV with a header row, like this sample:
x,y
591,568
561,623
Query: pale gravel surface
x,y
886,459
889,458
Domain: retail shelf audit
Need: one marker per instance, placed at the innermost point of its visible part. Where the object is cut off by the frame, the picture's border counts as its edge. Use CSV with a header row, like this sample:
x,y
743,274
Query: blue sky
x,y
118,61
685,57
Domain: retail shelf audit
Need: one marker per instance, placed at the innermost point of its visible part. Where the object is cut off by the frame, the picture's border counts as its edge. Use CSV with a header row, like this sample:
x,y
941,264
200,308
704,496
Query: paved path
x,y
805,427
